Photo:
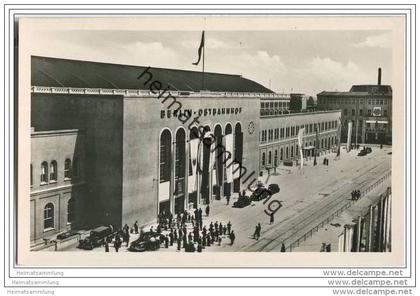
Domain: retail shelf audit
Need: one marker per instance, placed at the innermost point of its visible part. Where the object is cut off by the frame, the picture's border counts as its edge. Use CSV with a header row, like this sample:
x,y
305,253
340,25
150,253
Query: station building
x,y
112,144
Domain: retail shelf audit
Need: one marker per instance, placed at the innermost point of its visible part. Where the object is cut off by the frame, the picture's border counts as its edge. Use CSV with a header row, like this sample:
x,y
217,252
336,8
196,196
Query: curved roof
x,y
54,72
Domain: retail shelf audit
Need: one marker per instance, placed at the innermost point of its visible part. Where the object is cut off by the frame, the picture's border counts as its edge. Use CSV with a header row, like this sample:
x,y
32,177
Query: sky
x,y
286,61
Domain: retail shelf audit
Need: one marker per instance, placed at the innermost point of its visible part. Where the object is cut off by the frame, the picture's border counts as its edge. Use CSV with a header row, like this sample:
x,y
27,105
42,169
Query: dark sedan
x,y
148,241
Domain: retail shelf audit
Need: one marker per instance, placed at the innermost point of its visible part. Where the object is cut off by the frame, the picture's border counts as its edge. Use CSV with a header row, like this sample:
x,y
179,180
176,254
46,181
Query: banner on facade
x,y
300,143
192,180
229,152
349,131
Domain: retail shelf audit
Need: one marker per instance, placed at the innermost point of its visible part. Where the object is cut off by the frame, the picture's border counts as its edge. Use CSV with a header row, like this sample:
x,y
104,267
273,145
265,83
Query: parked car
x,y
273,188
242,201
362,153
148,241
96,238
260,193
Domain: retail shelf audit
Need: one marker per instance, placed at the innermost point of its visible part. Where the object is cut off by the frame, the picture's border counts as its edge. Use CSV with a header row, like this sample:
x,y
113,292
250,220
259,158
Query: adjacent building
x,y
368,107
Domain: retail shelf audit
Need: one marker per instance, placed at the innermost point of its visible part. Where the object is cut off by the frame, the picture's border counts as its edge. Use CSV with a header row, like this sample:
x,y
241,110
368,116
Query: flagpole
x,y
204,51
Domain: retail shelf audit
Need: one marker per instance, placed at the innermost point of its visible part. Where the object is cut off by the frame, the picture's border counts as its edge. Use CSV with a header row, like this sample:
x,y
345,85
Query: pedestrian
x,y
224,229
227,199
208,240
126,228
117,244
283,248
259,230
272,218
106,247
190,237
232,237
204,241
220,228
178,244
171,238
127,238
220,241
199,248
136,227
255,236
216,226
166,241
229,226
207,210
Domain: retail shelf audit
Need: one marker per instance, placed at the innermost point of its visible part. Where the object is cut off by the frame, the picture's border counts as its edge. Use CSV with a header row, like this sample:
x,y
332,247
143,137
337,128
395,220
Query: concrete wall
x,y
100,117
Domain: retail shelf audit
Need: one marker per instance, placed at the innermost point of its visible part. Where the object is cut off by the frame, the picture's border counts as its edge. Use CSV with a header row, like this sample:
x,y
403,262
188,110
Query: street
x,y
308,198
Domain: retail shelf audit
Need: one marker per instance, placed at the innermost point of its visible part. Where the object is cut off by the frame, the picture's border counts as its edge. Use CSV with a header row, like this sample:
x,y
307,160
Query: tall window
x,y
385,113
275,158
49,216
345,112
70,210
369,112
281,154
353,112
287,152
291,151
361,112
44,172
32,175
67,169
263,158
165,156
269,157
53,171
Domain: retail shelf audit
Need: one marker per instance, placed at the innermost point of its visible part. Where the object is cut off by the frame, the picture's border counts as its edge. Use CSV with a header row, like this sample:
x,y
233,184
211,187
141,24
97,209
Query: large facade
x,y
144,130
368,107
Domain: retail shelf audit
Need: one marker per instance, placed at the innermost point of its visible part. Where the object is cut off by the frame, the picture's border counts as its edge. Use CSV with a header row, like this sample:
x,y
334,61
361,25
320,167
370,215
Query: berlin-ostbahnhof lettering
x,y
188,113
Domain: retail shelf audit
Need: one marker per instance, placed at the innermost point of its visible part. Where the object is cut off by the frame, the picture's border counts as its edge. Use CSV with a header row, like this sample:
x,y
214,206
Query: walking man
x,y
271,218
232,237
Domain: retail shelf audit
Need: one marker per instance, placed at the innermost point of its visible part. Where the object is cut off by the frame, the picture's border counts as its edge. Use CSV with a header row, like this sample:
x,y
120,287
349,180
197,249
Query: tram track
x,y
295,226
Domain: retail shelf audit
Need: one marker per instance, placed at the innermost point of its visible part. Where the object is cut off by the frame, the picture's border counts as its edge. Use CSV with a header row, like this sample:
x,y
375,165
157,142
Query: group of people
x,y
175,231
355,195
326,161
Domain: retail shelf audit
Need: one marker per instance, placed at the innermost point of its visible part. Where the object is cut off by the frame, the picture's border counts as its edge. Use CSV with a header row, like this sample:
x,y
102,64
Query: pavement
x,y
306,196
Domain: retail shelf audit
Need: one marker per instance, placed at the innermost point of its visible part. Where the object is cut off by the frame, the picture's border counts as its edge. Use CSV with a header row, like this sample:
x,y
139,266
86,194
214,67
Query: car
x,y
242,201
362,153
96,238
273,188
260,193
148,241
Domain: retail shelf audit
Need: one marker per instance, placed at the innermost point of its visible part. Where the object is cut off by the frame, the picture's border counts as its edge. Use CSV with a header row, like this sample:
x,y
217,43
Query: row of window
x,y
323,143
49,213
49,172
349,101
274,107
369,112
281,133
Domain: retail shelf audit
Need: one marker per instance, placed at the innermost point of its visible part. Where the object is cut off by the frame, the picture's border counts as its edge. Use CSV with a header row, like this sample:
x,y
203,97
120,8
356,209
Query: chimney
x,y
379,76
